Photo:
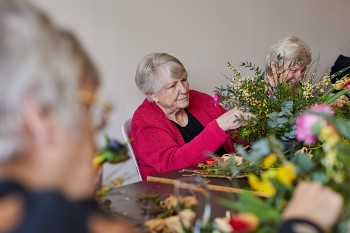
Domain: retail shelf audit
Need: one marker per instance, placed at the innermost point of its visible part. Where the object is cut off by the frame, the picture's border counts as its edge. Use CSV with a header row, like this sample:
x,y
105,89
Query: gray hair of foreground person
x,y
149,72
35,63
82,59
291,48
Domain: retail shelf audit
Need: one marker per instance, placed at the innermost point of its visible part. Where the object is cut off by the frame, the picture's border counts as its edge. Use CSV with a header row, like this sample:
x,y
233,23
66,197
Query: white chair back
x,y
126,127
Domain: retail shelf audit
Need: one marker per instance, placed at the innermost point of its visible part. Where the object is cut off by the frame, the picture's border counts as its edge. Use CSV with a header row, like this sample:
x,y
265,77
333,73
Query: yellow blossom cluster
x,y
329,134
346,142
309,89
285,173
264,186
270,160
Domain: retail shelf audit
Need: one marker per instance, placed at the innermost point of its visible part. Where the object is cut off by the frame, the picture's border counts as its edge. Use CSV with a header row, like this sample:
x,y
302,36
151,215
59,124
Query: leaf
x,y
273,125
291,121
240,150
303,162
273,115
286,103
319,176
293,132
282,120
250,203
260,148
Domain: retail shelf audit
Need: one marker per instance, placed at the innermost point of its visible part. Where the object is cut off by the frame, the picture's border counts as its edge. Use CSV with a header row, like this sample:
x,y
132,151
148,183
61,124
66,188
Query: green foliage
x,y
253,204
274,102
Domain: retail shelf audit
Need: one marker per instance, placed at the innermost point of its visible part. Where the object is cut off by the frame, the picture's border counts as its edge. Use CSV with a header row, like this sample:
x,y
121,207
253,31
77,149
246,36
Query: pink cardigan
x,y
158,144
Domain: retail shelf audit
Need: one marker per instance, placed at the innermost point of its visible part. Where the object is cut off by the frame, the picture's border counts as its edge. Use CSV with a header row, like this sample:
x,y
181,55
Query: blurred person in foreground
x,y
313,209
46,138
174,127
291,49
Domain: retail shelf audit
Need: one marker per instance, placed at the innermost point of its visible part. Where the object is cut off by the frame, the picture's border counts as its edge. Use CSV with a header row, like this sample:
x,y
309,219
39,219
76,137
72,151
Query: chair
x,y
126,134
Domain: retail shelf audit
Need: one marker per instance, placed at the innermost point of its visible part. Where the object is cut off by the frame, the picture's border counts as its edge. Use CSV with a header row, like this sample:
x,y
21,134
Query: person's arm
x,y
158,147
312,206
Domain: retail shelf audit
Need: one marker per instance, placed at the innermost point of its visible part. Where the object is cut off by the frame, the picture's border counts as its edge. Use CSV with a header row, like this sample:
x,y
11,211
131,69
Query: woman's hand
x,y
341,101
226,121
313,202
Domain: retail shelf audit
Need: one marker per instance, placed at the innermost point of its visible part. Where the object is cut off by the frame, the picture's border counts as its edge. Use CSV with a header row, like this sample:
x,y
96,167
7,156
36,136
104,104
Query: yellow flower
x,y
266,175
286,173
264,186
330,135
270,160
267,188
253,181
346,142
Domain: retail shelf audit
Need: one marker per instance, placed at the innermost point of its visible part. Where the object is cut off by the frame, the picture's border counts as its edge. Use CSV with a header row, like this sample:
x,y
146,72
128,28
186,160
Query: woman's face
x,y
288,74
174,95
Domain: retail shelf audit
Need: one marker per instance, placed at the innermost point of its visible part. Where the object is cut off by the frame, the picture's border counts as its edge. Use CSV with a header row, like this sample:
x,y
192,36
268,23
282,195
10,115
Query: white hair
x,y
290,48
148,76
35,62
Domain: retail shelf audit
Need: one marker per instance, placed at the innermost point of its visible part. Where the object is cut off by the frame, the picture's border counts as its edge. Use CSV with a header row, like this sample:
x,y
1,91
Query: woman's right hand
x,y
226,121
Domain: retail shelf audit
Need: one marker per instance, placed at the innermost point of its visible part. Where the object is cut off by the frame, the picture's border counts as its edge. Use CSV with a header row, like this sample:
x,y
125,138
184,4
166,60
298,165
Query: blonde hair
x,y
290,48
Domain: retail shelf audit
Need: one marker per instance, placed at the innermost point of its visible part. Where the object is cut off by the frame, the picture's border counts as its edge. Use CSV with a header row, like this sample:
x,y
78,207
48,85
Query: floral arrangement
x,y
112,152
275,103
328,162
175,214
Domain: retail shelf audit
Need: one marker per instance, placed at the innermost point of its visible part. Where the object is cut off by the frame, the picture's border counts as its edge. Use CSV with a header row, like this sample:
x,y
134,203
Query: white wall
x,y
203,34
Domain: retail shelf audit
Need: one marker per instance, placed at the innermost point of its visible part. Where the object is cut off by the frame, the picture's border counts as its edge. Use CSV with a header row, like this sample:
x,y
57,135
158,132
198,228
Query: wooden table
x,y
236,185
124,200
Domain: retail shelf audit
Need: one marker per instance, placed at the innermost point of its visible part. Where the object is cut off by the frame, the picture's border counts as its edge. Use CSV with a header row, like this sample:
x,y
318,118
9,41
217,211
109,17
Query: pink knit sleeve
x,y
165,154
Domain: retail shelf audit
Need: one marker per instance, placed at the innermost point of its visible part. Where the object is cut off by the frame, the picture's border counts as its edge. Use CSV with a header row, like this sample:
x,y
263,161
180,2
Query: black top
x,y
192,129
49,211
342,62
298,225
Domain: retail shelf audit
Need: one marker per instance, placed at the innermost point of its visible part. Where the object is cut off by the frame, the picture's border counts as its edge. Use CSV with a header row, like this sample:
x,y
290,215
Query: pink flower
x,y
322,108
305,122
304,132
216,99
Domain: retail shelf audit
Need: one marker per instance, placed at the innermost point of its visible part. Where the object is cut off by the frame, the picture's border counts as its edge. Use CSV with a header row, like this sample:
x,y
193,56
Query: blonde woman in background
x,y
291,49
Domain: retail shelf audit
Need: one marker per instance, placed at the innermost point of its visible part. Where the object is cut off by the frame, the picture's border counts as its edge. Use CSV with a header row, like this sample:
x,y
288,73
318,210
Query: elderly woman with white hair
x,y
291,49
175,126
296,56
